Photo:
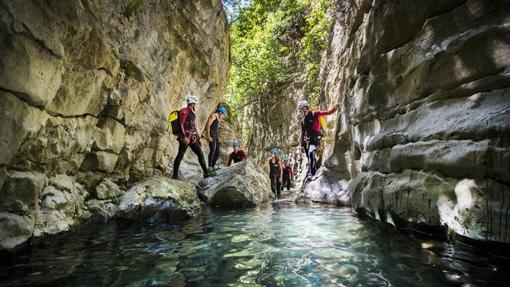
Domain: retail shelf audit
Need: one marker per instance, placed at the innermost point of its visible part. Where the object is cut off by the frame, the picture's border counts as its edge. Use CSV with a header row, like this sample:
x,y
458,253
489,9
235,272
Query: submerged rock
x,y
159,198
241,185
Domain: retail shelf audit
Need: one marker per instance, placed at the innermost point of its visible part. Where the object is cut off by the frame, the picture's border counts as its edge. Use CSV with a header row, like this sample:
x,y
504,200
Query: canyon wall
x,y
423,134
85,89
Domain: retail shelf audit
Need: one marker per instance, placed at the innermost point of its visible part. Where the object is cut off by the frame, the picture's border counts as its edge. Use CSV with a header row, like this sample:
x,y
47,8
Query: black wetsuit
x,y
214,145
287,176
274,175
313,138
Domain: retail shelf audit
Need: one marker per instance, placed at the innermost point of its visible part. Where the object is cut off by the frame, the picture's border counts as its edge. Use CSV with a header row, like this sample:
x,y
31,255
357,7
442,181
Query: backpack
x,y
173,122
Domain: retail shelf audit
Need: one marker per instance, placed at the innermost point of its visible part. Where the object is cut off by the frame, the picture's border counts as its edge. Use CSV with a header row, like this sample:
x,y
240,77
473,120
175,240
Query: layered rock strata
x,y
423,132
85,89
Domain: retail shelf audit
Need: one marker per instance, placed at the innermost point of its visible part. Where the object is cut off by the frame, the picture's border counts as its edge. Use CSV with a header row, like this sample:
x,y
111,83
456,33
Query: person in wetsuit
x,y
212,130
311,133
275,172
287,174
189,136
237,155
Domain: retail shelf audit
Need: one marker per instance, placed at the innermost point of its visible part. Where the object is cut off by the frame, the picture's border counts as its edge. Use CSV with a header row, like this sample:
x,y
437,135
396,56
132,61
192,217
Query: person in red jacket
x,y
188,136
237,155
311,133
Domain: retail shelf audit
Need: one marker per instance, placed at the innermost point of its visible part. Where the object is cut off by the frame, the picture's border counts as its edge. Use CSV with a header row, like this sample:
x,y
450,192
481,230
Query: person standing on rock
x,y
311,133
287,173
189,136
237,155
275,172
212,130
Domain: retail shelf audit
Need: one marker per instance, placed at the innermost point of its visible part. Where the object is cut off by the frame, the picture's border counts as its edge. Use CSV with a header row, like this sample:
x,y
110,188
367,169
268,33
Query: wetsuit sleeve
x,y
243,155
291,172
183,116
325,113
229,159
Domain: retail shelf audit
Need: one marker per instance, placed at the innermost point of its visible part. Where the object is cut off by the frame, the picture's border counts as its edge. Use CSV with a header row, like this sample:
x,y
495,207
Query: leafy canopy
x,y
266,35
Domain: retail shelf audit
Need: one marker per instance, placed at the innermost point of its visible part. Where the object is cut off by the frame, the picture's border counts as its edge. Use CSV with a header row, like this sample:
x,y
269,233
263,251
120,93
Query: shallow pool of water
x,y
270,246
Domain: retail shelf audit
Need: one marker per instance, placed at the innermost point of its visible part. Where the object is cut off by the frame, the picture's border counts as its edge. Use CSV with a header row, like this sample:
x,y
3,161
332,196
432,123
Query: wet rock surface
x,y
159,198
241,185
422,133
85,90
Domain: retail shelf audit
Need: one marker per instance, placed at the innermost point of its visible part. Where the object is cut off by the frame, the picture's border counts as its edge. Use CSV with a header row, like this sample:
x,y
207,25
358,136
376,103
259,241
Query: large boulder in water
x,y
327,188
241,185
159,198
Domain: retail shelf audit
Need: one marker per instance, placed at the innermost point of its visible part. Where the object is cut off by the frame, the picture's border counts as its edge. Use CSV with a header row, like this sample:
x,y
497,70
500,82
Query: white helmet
x,y
191,99
302,104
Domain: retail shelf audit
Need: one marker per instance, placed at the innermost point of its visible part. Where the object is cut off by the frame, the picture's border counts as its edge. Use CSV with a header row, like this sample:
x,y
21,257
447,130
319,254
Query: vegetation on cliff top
x,y
270,40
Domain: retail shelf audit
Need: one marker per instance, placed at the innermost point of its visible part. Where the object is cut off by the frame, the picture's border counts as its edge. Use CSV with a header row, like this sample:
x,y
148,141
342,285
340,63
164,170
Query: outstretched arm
x,y
326,113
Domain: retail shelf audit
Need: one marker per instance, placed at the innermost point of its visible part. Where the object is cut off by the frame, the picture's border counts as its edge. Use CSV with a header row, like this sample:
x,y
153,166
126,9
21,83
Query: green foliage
x,y
267,36
131,70
134,6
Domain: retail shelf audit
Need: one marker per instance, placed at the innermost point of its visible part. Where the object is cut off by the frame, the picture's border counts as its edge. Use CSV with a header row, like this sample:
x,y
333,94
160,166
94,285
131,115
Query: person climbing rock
x,y
287,173
189,136
212,129
237,155
311,133
275,172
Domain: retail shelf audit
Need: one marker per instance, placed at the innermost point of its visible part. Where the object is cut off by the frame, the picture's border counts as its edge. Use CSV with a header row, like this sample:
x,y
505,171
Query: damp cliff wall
x,y
423,133
85,89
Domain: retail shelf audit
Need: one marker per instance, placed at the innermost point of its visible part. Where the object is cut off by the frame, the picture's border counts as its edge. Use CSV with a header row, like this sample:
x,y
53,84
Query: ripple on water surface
x,y
290,246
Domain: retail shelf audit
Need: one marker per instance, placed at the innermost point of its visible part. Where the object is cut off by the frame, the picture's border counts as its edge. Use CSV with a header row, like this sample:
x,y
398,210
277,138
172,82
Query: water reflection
x,y
288,246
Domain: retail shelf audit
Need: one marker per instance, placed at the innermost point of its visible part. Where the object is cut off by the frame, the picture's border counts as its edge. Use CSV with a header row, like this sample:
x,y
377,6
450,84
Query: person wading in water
x,y
212,129
311,133
189,136
275,172
237,155
287,174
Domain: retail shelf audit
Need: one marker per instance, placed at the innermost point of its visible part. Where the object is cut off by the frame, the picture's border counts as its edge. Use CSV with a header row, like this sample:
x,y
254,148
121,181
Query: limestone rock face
x,y
325,189
159,198
241,185
422,134
85,90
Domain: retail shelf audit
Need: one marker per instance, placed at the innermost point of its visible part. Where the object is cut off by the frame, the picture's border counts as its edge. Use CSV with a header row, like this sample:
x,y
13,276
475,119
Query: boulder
x,y
19,201
325,188
241,185
159,198
62,206
101,211
107,189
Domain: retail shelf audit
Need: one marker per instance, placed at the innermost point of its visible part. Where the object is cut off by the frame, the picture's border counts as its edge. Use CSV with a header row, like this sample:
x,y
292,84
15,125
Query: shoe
x,y
207,174
176,177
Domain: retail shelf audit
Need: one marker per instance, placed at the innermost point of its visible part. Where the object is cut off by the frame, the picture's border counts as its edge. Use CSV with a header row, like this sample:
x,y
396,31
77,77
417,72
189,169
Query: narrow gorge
x,y
416,164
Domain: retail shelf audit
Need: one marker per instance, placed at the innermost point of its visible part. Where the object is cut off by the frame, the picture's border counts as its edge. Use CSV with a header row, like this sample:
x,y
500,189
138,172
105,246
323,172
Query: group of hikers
x,y
281,170
188,136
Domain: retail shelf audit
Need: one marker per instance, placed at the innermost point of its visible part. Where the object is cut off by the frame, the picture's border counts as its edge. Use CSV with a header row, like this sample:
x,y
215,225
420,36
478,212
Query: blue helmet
x,y
275,150
222,110
235,143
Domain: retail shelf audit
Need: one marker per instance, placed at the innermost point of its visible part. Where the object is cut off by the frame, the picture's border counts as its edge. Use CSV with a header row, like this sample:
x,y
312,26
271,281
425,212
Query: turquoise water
x,y
272,246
